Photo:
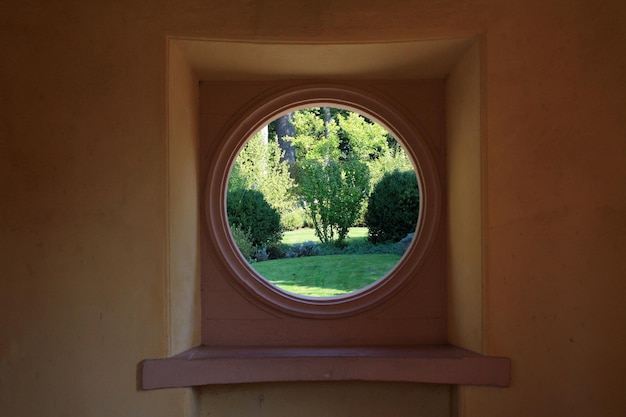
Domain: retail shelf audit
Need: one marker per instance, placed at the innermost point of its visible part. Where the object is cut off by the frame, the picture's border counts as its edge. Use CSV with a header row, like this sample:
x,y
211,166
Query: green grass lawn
x,y
305,235
326,276
335,271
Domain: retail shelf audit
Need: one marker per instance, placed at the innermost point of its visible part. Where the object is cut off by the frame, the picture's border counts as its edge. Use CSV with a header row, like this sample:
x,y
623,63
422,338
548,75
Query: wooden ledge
x,y
440,364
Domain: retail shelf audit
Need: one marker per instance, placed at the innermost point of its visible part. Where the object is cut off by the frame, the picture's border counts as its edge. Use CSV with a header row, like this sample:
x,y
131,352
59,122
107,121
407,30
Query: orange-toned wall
x,y
85,240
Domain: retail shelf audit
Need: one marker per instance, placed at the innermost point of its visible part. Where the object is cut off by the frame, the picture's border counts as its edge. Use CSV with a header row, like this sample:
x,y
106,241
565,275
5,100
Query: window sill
x,y
440,364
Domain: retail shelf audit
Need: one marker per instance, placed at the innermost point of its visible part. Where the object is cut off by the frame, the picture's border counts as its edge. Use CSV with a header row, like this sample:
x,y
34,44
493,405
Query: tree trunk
x,y
326,120
285,128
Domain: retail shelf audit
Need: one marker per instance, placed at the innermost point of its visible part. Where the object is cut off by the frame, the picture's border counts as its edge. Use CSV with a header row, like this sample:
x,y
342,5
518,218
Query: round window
x,y
324,200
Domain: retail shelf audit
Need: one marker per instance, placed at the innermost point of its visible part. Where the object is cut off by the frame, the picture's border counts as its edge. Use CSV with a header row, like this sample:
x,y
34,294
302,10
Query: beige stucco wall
x,y
183,285
85,287
465,201
332,399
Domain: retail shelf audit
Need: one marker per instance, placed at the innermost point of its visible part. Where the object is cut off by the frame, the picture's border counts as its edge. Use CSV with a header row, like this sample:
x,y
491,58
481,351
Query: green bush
x,y
332,192
393,207
243,242
249,211
293,220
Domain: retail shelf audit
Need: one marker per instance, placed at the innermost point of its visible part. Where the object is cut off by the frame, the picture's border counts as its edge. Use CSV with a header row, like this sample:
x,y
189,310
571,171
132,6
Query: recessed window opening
x,y
323,202
309,105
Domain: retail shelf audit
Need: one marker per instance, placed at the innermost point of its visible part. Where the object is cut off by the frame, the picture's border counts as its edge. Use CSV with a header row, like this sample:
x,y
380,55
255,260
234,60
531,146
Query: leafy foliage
x,y
393,207
339,157
316,138
361,139
389,160
293,220
259,167
332,192
250,212
243,241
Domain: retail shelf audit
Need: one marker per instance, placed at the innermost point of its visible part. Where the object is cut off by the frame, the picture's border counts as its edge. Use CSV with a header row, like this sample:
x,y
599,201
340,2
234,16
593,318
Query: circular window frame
x,y
266,109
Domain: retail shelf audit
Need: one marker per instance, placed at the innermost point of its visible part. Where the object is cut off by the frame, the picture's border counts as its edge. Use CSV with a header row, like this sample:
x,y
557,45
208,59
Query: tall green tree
x,y
259,166
364,139
315,138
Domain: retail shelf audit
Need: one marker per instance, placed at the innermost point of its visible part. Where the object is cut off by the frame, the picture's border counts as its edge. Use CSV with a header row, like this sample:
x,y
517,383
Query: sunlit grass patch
x,y
326,276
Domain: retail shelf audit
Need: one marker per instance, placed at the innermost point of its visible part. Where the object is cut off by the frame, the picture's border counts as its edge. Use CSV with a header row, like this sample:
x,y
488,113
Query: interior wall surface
x,y
85,233
183,217
465,202
332,399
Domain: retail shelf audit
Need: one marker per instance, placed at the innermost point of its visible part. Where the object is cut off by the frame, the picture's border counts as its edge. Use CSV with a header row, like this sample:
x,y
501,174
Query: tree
x,y
332,193
337,156
390,160
365,140
284,131
315,138
259,166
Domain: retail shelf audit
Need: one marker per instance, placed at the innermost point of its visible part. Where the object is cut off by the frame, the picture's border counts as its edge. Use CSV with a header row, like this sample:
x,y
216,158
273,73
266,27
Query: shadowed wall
x,y
86,237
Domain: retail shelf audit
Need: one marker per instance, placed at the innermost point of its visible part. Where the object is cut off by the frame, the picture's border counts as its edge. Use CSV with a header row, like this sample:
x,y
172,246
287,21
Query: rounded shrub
x,y
293,220
393,207
249,211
